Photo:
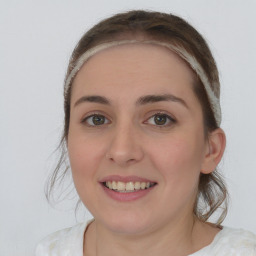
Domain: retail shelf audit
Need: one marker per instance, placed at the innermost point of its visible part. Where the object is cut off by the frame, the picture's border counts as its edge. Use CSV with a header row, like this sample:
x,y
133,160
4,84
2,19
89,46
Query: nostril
x,y
123,151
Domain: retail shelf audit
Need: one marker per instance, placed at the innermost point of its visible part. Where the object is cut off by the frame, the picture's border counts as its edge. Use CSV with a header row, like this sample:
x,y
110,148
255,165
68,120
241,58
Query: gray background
x,y
36,40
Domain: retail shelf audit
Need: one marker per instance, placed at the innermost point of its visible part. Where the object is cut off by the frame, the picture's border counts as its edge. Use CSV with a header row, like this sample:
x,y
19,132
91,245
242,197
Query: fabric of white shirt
x,y
228,242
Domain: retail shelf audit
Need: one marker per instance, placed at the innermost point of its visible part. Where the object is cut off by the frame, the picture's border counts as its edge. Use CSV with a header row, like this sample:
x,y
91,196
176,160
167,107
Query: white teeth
x,y
109,184
142,185
114,185
127,186
137,185
120,185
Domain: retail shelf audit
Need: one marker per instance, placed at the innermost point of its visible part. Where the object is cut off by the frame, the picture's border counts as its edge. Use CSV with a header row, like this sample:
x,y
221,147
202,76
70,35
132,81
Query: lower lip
x,y
125,197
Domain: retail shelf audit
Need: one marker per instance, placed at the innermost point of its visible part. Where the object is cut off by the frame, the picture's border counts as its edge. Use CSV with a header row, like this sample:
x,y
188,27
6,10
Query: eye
x,y
95,120
161,119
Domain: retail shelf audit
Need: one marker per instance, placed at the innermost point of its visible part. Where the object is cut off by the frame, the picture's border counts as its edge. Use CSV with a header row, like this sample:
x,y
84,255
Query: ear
x,y
214,150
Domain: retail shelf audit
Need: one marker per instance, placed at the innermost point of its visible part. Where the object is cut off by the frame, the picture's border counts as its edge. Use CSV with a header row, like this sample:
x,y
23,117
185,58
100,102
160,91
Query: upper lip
x,y
125,179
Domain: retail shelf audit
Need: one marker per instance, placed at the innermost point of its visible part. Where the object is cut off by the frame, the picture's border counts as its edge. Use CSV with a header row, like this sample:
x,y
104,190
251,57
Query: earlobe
x,y
214,151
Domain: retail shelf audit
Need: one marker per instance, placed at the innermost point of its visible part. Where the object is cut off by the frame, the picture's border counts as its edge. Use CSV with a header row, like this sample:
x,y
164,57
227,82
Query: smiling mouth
x,y
128,187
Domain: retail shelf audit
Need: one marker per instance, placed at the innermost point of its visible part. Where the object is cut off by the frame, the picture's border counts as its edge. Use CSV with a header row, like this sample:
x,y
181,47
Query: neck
x,y
179,239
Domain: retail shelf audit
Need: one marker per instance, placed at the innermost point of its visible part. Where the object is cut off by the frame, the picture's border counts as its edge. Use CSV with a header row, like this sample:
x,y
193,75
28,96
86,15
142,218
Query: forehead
x,y
137,66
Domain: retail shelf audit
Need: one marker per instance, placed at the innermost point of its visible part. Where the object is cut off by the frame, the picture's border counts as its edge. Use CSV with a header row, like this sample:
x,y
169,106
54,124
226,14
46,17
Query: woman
x,y
142,131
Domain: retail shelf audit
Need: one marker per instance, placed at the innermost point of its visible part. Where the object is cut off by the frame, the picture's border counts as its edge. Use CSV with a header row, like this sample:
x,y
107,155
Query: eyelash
x,y
170,119
85,120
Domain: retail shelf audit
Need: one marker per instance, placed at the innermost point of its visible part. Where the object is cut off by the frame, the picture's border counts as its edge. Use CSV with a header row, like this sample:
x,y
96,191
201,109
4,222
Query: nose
x,y
125,146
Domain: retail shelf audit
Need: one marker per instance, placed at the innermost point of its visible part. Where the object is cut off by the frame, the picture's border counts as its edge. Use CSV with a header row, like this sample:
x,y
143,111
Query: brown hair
x,y
212,192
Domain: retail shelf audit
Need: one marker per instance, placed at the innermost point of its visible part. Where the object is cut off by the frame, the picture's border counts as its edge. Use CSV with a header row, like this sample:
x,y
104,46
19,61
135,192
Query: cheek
x,y
84,155
179,160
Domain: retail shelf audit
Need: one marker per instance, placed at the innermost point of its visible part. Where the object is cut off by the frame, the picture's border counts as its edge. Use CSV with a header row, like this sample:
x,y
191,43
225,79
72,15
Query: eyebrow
x,y
157,98
96,99
141,101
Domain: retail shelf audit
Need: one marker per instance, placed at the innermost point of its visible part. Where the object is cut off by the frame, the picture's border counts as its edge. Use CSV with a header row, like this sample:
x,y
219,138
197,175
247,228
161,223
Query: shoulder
x,y
235,242
68,241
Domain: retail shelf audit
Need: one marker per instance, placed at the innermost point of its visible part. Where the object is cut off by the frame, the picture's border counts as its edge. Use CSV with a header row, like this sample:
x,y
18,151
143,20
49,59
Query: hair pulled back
x,y
212,192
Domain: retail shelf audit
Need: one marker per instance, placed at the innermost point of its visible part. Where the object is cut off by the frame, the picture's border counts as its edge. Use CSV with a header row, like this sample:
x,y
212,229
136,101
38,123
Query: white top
x,y
228,242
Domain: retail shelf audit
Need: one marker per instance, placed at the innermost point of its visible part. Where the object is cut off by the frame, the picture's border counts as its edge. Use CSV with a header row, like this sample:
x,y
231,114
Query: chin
x,y
126,223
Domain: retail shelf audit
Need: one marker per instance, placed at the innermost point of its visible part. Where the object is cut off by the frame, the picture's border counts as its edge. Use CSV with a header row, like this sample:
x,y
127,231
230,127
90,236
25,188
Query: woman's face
x,y
136,139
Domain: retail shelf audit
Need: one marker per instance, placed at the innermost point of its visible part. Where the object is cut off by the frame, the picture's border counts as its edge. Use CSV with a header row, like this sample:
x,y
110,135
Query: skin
x,y
130,142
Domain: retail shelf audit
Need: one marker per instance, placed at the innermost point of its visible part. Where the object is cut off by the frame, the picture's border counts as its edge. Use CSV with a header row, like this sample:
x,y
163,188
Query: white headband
x,y
182,52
